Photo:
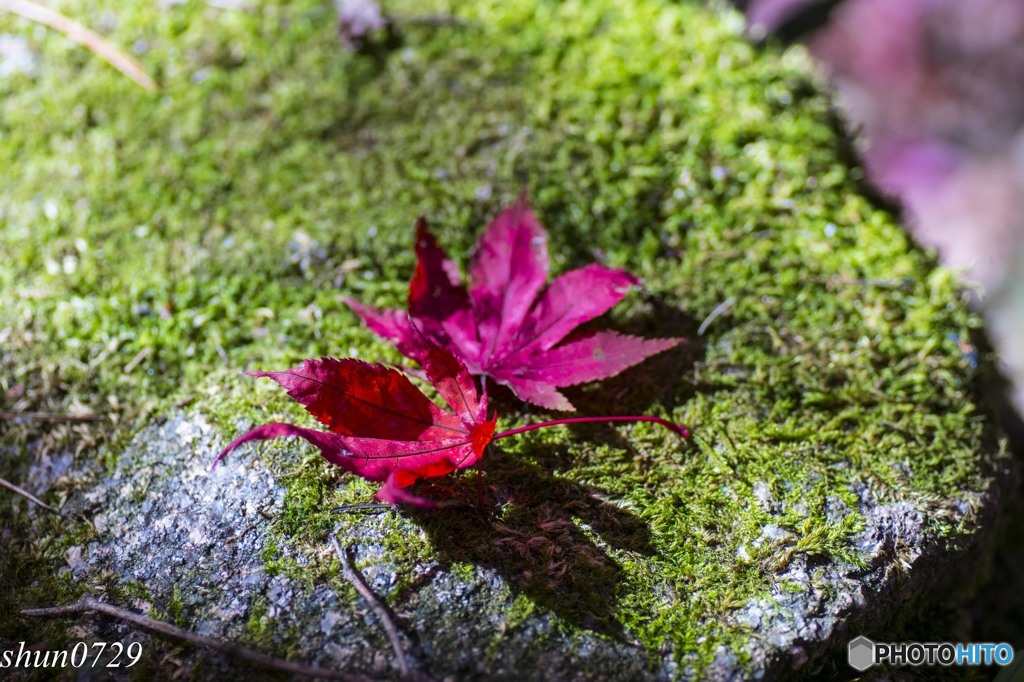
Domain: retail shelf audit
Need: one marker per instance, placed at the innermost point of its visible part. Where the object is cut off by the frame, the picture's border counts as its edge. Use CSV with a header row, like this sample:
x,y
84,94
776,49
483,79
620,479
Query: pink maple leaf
x,y
509,324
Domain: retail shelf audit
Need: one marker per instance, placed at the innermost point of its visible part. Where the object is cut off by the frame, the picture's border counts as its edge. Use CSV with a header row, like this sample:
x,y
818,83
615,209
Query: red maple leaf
x,y
382,428
507,324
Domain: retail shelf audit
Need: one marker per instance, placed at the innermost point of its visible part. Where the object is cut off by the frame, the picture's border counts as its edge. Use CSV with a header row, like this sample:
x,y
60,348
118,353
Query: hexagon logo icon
x,y
861,653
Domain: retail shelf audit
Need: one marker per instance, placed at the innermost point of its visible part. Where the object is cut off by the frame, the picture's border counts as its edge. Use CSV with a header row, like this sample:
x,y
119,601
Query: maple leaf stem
x,y
681,429
480,482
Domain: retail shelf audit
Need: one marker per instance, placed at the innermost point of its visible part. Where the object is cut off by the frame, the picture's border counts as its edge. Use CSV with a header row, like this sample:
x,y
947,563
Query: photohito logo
x,y
863,653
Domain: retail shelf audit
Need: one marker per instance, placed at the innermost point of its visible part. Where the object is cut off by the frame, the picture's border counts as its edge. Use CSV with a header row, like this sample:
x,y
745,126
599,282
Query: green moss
x,y
522,608
259,627
159,244
464,571
176,607
270,554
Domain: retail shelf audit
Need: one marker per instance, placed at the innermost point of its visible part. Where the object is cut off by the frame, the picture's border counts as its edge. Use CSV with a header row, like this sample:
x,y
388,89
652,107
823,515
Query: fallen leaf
x,y
509,324
384,429
381,427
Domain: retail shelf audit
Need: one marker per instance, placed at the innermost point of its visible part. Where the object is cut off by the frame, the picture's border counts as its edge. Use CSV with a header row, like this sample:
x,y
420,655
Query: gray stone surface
x,y
196,537
192,543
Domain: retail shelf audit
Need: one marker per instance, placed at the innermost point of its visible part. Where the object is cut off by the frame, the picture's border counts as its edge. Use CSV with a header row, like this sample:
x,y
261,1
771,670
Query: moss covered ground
x,y
158,244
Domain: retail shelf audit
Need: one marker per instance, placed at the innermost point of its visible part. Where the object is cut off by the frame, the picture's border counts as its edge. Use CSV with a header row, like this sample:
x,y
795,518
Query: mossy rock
x,y
159,244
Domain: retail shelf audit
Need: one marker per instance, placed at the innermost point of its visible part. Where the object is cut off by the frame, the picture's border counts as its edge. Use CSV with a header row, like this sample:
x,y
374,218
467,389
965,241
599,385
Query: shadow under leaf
x,y
549,538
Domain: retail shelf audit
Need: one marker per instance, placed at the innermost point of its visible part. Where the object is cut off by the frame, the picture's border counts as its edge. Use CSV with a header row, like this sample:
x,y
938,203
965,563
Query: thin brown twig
x,y
719,309
86,604
6,415
139,357
352,575
84,36
26,494
368,506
